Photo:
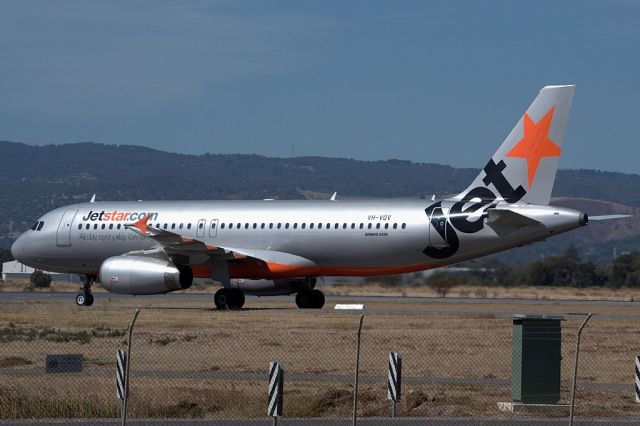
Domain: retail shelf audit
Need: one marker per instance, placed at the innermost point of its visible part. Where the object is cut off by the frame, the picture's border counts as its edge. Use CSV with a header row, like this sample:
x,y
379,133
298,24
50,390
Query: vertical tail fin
x,y
524,167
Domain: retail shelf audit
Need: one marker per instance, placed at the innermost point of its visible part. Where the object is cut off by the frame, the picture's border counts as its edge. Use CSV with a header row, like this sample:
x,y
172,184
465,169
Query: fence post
x,y
276,387
121,368
126,374
637,362
355,387
575,368
394,382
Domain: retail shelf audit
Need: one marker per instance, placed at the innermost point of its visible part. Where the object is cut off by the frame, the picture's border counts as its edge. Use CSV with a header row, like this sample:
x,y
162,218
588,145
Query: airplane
x,y
280,247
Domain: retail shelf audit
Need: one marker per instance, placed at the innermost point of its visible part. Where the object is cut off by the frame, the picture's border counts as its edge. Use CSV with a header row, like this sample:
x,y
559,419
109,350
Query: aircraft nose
x,y
17,248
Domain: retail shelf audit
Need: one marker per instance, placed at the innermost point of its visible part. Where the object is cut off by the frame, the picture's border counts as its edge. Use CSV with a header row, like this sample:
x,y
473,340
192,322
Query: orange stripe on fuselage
x,y
255,270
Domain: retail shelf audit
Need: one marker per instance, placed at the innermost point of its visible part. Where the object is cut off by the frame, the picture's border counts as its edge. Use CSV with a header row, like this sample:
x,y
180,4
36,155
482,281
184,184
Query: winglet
x,y
141,225
93,199
333,197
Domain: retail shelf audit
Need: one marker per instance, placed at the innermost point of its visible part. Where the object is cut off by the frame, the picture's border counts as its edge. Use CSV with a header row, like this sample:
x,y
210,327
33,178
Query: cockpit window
x,y
40,226
37,226
34,226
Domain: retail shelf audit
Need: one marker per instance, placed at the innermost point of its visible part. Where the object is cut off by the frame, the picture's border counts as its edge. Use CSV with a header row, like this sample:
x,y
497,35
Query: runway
x,y
496,307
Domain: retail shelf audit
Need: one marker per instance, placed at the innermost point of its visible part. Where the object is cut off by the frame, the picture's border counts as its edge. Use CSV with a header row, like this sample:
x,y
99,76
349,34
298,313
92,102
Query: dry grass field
x,y
192,361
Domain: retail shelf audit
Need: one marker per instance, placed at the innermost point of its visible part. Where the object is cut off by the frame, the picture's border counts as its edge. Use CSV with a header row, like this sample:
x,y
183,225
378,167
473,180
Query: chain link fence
x,y
198,363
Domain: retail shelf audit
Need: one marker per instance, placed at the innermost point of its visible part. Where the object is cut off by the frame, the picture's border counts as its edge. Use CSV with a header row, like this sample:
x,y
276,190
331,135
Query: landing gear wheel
x,y
317,299
237,298
88,300
221,299
313,299
85,298
303,299
81,299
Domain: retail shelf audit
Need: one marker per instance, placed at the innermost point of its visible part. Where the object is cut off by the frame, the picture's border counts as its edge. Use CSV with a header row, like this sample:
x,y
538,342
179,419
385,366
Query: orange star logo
x,y
535,143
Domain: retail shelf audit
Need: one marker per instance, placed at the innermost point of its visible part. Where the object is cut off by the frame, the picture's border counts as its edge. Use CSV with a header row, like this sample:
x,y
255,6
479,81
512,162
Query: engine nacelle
x,y
143,275
275,287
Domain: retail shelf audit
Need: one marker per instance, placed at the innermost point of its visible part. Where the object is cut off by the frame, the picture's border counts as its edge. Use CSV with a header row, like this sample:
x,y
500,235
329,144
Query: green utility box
x,y
536,358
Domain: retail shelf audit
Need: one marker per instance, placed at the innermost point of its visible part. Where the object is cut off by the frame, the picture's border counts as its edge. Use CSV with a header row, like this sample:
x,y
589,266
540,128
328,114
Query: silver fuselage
x,y
334,238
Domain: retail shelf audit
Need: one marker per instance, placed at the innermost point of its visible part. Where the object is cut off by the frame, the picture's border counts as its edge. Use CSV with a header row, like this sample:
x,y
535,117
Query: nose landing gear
x,y
85,298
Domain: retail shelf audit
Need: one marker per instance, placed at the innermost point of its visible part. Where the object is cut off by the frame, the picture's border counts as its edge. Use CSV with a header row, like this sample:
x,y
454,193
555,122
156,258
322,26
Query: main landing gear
x,y
310,299
229,298
85,298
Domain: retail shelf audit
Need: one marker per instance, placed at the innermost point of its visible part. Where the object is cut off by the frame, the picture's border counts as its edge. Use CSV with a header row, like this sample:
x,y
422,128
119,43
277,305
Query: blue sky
x,y
439,82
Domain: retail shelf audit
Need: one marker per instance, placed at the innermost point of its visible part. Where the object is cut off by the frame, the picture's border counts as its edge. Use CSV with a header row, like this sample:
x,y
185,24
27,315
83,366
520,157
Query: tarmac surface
x,y
387,304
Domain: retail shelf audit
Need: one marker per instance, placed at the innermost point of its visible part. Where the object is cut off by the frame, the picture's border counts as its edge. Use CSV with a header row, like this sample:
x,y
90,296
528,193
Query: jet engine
x,y
143,275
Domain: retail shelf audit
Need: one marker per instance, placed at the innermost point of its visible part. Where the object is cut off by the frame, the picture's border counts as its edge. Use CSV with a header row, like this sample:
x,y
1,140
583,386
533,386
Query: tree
x,y
625,271
40,279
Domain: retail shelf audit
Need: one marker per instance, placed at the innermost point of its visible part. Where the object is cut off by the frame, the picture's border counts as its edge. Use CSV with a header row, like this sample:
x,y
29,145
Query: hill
x,y
34,179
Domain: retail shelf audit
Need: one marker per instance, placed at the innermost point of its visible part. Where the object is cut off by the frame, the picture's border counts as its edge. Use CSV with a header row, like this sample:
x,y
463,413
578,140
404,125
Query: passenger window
x,y
304,225
286,226
111,226
222,226
369,226
255,225
295,226
238,225
104,226
336,226
404,225
246,226
344,226
311,226
87,227
328,225
180,226
395,226
377,226
165,226
118,226
200,225
231,226
361,225
80,226
353,226
262,226
95,226
279,225
386,226
213,225
319,226
188,226
271,226
173,226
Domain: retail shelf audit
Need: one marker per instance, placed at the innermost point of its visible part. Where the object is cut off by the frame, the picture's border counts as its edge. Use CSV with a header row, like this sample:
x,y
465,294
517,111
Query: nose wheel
x,y
85,298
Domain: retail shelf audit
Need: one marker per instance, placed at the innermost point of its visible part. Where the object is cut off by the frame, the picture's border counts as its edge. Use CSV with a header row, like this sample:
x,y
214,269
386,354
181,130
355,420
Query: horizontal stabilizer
x,y
609,217
504,221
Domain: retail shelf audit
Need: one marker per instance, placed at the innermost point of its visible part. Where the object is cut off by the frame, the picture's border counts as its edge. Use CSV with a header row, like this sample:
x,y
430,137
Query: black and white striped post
x,y
276,386
638,379
121,384
394,384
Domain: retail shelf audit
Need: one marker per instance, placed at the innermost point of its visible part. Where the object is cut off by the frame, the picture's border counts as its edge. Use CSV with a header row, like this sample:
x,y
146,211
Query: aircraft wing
x,y
201,253
173,243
